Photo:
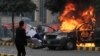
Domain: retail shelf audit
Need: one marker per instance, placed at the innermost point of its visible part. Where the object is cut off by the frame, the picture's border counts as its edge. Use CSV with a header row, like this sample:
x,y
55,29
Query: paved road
x,y
46,52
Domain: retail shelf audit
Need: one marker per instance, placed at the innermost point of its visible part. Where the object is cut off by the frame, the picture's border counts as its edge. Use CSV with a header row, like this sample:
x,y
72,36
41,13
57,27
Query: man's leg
x,y
23,50
18,50
19,53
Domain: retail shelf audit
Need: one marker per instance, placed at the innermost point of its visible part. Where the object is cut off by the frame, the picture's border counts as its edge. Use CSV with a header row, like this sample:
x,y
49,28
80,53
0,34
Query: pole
x,y
13,24
42,12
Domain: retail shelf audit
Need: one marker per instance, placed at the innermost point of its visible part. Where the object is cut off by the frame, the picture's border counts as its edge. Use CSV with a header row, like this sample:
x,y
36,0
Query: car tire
x,y
70,45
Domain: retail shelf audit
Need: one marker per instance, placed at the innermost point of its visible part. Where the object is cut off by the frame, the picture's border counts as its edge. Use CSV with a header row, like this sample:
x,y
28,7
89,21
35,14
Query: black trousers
x,y
20,49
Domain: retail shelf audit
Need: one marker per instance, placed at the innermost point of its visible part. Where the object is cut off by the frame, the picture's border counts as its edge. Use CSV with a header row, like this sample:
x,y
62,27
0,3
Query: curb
x,y
7,55
31,45
88,48
7,43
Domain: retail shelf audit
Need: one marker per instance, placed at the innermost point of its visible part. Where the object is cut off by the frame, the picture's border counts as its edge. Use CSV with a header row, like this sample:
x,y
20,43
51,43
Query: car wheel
x,y
70,45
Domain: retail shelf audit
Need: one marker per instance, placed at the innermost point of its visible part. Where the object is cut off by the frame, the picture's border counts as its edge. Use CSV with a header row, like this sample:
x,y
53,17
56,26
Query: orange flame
x,y
69,21
88,15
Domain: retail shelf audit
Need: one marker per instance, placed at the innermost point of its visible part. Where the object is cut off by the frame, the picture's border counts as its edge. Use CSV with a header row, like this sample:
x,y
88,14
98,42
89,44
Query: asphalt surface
x,y
47,52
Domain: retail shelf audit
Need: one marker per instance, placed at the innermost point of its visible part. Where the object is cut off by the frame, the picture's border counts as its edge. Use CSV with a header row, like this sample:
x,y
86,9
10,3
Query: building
x,y
42,15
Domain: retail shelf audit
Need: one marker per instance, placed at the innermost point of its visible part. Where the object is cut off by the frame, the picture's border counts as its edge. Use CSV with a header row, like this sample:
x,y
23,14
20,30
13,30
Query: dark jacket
x,y
20,36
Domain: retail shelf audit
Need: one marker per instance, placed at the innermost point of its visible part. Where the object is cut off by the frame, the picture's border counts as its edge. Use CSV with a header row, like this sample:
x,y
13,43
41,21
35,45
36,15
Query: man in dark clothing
x,y
20,40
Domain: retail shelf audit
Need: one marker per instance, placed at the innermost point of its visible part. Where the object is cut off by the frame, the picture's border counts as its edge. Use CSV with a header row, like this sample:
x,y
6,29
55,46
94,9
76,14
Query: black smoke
x,y
58,5
55,5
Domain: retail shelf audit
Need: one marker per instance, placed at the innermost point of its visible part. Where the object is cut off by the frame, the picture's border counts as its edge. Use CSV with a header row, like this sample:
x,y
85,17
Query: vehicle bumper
x,y
53,42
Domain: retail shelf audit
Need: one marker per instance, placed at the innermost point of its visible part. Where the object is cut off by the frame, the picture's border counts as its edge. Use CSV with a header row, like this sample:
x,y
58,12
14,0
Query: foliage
x,y
55,5
58,5
17,6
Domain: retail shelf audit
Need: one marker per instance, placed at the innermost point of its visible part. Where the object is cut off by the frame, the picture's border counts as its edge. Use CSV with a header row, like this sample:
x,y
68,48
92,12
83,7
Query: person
x,y
20,40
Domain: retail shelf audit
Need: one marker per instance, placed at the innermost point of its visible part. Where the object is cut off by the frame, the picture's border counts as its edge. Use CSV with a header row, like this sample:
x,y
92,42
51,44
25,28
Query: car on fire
x,y
69,40
59,40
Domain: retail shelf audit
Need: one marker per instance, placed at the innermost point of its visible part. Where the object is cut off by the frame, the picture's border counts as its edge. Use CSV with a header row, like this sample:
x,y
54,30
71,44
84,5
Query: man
x,y
20,40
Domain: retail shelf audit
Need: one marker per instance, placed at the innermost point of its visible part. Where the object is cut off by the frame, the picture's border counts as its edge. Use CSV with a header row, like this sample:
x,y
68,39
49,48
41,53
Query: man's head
x,y
21,23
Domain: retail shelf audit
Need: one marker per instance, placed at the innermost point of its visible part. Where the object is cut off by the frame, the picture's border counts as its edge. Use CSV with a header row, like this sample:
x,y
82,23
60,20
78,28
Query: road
x,y
46,52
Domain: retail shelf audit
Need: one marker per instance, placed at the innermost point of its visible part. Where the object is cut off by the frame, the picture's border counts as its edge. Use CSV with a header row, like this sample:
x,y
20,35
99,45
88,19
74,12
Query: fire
x,y
86,45
68,26
88,15
69,20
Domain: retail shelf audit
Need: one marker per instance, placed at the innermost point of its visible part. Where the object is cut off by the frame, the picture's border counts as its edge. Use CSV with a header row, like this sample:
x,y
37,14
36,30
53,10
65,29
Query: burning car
x,y
76,26
59,40
69,40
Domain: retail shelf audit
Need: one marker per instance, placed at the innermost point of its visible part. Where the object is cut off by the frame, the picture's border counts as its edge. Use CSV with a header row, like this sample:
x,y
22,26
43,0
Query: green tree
x,y
55,5
58,5
16,6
